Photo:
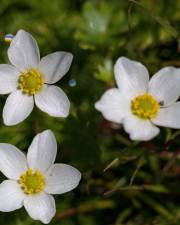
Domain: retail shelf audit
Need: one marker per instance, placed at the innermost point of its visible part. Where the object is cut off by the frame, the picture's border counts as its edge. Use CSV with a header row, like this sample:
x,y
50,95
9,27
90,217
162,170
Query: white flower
x,y
29,79
31,181
140,104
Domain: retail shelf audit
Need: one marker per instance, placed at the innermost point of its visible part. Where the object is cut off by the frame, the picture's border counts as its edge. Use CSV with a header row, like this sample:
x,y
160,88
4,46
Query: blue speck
x,y
72,83
9,36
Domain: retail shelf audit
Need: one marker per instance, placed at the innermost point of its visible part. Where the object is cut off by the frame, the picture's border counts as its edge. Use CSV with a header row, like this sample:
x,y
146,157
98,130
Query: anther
x,y
145,106
32,182
30,82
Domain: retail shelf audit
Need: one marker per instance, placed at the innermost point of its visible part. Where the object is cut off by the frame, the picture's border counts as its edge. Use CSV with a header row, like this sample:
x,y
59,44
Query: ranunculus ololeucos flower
x,y
139,104
30,80
31,181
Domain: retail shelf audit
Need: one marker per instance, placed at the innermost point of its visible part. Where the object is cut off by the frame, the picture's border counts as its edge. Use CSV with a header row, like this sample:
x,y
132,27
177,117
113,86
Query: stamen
x,y
32,182
145,106
30,82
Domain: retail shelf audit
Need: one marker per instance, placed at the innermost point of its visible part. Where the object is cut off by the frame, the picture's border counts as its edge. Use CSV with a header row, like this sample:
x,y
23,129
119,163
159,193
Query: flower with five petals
x,y
139,104
31,181
30,80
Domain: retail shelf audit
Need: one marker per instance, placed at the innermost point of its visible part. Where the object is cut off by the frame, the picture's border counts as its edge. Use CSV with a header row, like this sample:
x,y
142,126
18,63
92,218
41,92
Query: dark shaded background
x,y
141,184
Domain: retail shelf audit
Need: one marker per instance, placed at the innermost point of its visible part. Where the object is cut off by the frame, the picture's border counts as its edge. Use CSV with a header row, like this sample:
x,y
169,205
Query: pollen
x,y
30,81
145,106
32,182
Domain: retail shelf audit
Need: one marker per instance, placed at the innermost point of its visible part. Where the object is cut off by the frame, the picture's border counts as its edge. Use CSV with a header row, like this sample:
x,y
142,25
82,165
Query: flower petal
x,y
113,105
132,77
12,161
11,196
139,129
23,52
165,85
17,108
40,207
169,117
42,151
62,178
54,66
8,78
53,101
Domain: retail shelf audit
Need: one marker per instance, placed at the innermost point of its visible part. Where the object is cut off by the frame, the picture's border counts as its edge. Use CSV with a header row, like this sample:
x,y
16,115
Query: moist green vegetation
x,y
140,184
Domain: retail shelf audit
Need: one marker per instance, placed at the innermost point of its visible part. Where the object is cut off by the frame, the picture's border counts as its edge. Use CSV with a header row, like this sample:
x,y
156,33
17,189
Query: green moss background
x,y
124,182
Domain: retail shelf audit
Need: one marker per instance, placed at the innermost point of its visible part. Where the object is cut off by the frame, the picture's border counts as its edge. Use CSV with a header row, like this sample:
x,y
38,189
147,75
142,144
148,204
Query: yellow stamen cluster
x,y
32,182
145,106
30,81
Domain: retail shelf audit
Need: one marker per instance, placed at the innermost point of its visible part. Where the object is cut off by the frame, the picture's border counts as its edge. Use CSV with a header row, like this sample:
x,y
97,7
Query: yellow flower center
x,y
30,81
32,182
145,106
